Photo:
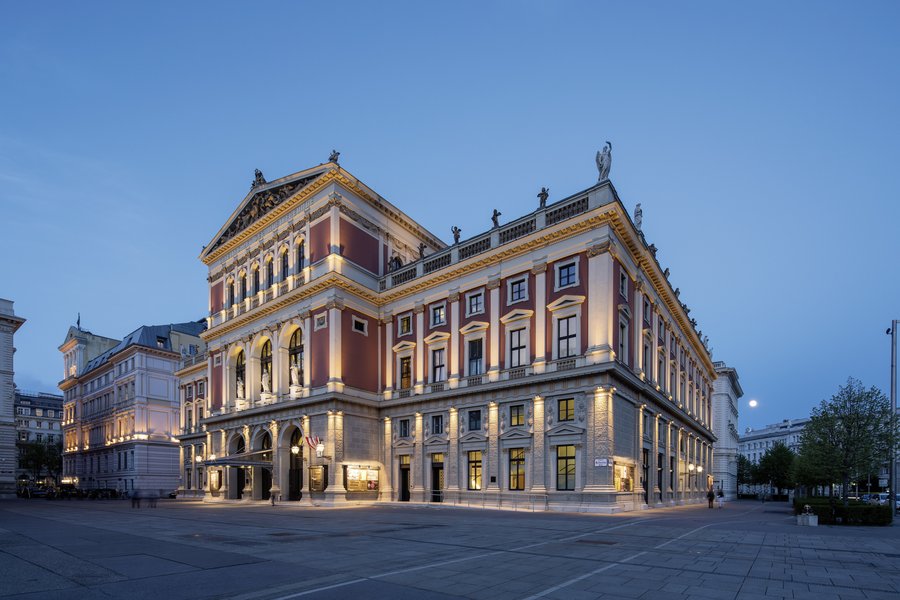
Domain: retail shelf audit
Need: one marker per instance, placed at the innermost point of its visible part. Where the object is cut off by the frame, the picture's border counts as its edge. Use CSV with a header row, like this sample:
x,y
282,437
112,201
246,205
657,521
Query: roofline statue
x,y
604,162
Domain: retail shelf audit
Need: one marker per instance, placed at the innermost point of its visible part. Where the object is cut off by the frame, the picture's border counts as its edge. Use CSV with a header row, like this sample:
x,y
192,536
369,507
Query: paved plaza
x,y
747,551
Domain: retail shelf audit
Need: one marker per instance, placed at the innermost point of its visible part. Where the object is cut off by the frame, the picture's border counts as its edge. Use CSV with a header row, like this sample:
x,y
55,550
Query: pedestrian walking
x,y
720,498
710,496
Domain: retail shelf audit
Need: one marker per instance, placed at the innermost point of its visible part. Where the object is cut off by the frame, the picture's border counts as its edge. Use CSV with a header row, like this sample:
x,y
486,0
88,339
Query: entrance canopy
x,y
245,459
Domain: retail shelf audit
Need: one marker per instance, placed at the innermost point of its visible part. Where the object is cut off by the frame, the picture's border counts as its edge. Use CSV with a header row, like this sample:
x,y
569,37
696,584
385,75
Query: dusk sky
x,y
761,139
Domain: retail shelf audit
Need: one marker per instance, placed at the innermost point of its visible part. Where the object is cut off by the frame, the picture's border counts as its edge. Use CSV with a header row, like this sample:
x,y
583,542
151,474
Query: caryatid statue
x,y
604,161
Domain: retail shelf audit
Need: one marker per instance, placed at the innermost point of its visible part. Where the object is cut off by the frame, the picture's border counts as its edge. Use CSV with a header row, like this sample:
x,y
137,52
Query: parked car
x,y
173,494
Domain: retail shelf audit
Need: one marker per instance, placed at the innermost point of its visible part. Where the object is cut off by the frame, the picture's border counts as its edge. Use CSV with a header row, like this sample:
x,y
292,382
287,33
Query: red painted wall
x,y
215,385
318,355
216,303
406,338
464,320
506,308
577,290
320,240
358,246
629,300
359,364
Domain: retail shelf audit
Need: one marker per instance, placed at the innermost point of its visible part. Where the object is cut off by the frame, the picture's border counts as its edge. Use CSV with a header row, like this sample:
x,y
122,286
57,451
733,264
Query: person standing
x,y
710,496
720,498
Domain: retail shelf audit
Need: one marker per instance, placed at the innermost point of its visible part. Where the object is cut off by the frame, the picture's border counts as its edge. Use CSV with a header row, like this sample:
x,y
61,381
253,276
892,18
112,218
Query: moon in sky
x,y
753,403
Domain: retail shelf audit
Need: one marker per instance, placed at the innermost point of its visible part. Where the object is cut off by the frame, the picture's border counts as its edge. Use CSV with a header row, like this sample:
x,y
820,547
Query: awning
x,y
246,459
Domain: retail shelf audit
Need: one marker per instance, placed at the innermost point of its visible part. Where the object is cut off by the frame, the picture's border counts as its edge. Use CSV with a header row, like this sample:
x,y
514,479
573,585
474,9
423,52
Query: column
x,y
386,491
493,287
493,454
539,465
275,490
419,311
388,356
339,451
334,200
209,450
600,441
454,339
452,463
639,450
655,467
637,331
601,308
335,382
182,468
417,469
307,352
540,316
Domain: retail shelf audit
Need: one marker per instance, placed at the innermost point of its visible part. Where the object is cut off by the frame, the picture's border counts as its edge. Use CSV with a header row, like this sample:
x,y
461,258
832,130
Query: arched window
x,y
284,266
295,358
265,366
231,293
243,286
270,274
301,247
255,281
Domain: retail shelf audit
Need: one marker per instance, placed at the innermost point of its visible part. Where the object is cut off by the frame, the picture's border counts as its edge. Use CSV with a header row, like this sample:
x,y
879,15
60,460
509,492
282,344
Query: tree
x,y
33,458
849,434
776,467
54,460
745,471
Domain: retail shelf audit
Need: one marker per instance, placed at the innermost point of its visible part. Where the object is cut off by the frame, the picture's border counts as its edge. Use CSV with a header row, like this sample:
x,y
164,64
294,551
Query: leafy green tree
x,y
745,471
850,433
54,460
34,458
776,467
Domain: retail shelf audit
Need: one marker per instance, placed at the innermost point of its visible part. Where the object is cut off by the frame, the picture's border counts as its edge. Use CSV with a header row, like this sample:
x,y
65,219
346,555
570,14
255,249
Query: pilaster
x,y
539,271
601,309
417,469
419,311
453,381
600,441
493,287
538,464
453,452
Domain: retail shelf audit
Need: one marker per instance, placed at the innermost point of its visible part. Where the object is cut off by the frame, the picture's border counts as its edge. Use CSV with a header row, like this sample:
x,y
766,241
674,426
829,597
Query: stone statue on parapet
x,y
456,231
421,250
638,216
543,195
333,157
666,272
604,162
496,217
258,179
652,248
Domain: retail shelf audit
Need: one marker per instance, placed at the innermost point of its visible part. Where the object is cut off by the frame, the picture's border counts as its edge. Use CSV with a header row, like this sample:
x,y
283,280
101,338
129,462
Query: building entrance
x,y
295,471
437,477
404,483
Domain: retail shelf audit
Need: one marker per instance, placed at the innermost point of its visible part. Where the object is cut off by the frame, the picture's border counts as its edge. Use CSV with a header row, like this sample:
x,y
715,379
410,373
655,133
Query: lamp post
x,y
892,331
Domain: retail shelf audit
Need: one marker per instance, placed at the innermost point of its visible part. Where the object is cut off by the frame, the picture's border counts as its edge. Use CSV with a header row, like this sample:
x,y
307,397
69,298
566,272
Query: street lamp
x,y
892,331
295,450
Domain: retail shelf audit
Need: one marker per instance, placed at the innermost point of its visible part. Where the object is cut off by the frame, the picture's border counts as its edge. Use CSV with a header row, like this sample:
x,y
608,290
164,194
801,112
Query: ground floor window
x,y
475,469
517,468
565,467
624,478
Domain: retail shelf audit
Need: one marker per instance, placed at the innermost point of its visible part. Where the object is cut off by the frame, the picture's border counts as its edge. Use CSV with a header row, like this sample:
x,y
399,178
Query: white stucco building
x,y
726,393
9,324
755,442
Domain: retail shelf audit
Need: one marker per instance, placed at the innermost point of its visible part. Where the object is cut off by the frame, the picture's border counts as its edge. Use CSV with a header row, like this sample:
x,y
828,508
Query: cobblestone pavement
x,y
746,551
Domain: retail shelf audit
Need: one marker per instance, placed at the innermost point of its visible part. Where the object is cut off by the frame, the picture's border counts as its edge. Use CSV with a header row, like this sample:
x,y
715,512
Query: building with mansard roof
x,y
353,355
121,407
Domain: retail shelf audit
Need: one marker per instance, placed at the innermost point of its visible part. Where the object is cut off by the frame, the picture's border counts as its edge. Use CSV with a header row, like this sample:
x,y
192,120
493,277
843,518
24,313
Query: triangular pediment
x,y
436,440
473,327
566,429
516,434
437,336
262,199
473,436
564,301
515,315
402,346
404,443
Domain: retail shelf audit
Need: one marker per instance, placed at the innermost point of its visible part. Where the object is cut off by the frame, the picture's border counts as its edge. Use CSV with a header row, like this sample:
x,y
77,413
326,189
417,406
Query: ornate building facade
x,y
38,418
9,324
726,393
353,355
121,407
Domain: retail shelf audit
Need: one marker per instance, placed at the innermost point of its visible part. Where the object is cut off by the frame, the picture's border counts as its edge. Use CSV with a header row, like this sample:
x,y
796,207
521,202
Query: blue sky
x,y
760,139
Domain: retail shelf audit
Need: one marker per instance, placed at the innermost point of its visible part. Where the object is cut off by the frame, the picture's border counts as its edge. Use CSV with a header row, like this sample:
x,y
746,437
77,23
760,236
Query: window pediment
x,y
473,327
519,433
516,315
565,302
404,443
566,429
472,436
625,310
437,336
403,346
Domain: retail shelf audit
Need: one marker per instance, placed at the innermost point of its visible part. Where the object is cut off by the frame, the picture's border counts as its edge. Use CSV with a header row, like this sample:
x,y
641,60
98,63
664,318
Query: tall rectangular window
x,y
517,354
565,468
270,274
623,341
566,275
517,415
300,258
518,291
405,372
404,428
437,425
566,337
285,270
566,409
517,468
255,281
438,365
476,357
475,469
474,420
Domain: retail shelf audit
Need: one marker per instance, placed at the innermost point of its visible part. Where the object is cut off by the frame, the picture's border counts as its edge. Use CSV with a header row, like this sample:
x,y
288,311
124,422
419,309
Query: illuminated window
x,y
405,372
474,469
295,357
565,468
404,325
517,468
517,415
566,409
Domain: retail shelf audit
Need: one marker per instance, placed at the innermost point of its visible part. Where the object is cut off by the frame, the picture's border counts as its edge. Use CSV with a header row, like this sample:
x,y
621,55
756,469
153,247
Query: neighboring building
x,y
754,443
544,362
9,324
192,384
38,418
121,405
726,393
